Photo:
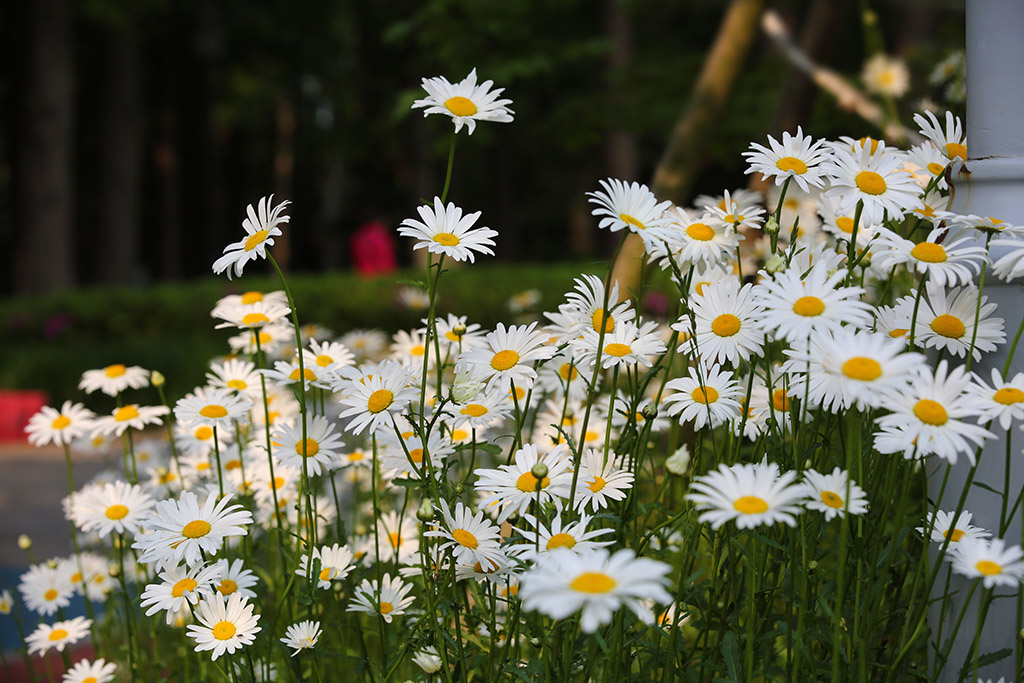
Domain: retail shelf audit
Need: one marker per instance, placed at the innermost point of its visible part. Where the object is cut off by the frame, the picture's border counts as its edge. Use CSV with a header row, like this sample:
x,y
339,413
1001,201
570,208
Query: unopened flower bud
x,y
425,513
539,471
427,660
157,379
459,330
650,411
679,461
771,226
114,571
776,264
52,563
24,542
459,488
536,642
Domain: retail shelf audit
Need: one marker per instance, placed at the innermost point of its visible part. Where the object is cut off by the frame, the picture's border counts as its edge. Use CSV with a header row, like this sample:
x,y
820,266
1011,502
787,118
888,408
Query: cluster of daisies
x,y
378,472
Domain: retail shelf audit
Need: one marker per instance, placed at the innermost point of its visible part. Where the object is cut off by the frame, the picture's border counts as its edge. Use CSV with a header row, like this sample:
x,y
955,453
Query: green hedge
x,y
50,340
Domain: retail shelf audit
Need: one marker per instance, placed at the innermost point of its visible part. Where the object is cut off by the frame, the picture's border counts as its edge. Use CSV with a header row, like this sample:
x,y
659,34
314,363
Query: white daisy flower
x,y
465,101
508,355
737,214
260,231
1002,400
695,239
631,206
225,625
797,157
950,140
584,309
741,196
45,589
751,495
445,230
249,298
212,407
895,320
235,375
98,671
57,636
946,320
969,225
272,338
833,494
601,481
235,577
179,530
515,486
950,263
59,427
365,344
1009,264
928,418
796,306
399,538
320,450
727,324
407,460
390,601
944,527
992,561
6,602
335,564
114,379
470,538
131,416
302,635
932,163
885,75
252,317
456,334
875,179
372,401
596,584
706,395
409,348
427,660
482,411
572,536
110,508
286,373
630,344
707,276
178,585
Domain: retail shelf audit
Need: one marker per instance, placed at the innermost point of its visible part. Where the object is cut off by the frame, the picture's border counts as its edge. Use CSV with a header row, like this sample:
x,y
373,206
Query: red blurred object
x,y
16,407
373,249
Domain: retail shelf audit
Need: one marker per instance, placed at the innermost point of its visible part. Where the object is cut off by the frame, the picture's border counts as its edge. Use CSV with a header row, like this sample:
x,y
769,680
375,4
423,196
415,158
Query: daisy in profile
x,y
895,320
178,585
633,207
249,298
428,660
45,589
1008,258
131,416
271,339
482,411
629,345
286,373
114,379
750,495
335,564
260,229
950,140
234,577
110,508
992,561
371,401
928,418
469,537
466,101
737,213
601,481
931,164
876,179
225,625
696,238
946,320
389,601
235,375
59,427
445,230
409,348
303,635
508,355
953,262
834,494
797,157
6,602
57,636
572,536
1002,400
365,344
321,448
969,225
197,440
516,485
328,355
212,407
181,530
844,368
596,584
885,75
707,395
727,324
252,317
98,671
941,526
585,308
795,306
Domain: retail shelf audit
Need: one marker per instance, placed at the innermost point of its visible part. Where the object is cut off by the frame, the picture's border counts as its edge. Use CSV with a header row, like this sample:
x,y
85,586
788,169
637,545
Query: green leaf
x,y
731,654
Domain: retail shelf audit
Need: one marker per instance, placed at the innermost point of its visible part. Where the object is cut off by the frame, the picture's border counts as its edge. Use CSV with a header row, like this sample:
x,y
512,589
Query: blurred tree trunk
x,y
620,150
120,169
44,254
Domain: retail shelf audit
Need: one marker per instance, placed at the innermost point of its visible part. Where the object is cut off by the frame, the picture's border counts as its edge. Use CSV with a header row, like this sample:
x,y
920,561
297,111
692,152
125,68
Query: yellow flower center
x,y
609,322
791,164
474,410
253,319
868,142
213,411
929,252
568,372
237,385
862,368
808,306
633,222
898,332
58,634
324,360
196,529
312,448
955,536
459,435
936,168
126,413
90,679
112,371
326,574
725,325
446,239
307,373
700,231
699,288
503,360
955,149
704,395
561,541
596,485
182,587
227,587
250,298
386,608
618,350
734,218
416,455
50,595
750,505
116,512
460,106
870,182
379,400
989,568
223,630
61,422
949,326
845,223
832,499
593,582
780,401
930,412
256,239
1008,396
527,483
465,538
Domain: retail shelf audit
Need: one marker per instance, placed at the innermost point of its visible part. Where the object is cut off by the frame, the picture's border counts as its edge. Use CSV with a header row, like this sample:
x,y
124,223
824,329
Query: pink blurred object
x,y
16,407
373,249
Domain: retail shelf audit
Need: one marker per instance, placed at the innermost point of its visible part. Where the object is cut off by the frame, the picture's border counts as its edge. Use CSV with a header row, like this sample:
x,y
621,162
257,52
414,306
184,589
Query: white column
x,y
991,184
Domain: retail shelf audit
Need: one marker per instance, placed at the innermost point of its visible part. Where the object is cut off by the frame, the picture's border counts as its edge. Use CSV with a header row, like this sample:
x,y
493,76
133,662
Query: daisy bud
x,y
679,461
157,379
539,471
776,264
459,330
52,564
114,571
427,660
459,488
650,411
426,511
24,542
771,226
